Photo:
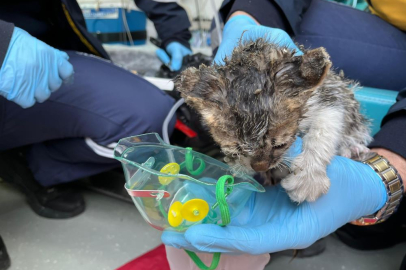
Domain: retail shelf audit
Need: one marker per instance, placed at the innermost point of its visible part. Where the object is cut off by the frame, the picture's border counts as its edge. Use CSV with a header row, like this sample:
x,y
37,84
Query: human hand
x,y
241,28
177,51
32,70
271,222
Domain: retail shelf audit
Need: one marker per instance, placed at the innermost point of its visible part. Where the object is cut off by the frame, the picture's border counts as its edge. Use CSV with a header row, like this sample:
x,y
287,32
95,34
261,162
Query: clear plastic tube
x,y
168,118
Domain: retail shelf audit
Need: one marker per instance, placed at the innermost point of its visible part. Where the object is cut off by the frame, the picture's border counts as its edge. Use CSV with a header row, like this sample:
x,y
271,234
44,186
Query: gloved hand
x,y
177,51
32,70
271,222
242,27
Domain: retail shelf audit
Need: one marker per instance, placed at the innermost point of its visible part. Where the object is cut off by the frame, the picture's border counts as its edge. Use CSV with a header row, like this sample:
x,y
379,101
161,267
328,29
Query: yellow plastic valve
x,y
195,210
171,168
174,216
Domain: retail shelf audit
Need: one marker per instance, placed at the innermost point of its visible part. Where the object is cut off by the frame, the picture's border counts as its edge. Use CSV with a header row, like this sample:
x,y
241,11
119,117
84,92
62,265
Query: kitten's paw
x,y
304,186
359,152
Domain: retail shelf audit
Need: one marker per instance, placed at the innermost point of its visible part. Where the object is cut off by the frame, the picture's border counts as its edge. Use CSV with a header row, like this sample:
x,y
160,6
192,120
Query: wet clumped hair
x,y
263,97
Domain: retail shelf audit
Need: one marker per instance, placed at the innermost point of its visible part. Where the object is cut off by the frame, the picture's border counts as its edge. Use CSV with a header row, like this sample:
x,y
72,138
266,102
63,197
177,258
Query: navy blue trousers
x,y
364,46
72,131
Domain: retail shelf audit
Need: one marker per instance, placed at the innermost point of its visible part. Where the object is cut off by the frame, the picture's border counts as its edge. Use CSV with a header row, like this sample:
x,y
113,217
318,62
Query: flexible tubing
x,y
168,118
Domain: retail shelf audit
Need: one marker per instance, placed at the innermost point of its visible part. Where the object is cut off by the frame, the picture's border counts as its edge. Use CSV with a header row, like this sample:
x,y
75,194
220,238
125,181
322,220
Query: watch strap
x,y
394,189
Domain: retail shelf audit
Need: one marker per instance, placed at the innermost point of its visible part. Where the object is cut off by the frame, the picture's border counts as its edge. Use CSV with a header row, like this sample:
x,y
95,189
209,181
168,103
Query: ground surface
x,y
112,232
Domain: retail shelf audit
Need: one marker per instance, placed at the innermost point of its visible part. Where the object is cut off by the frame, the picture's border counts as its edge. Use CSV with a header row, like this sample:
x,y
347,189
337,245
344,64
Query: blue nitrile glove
x,y
271,222
32,70
242,27
177,51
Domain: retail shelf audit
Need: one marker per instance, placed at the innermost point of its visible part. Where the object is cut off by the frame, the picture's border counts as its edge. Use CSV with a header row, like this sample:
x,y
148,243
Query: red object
x,y
185,129
152,260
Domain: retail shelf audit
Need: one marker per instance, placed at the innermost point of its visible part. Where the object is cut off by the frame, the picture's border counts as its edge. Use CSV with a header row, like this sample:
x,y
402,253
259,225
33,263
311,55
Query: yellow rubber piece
x,y
195,210
170,168
174,216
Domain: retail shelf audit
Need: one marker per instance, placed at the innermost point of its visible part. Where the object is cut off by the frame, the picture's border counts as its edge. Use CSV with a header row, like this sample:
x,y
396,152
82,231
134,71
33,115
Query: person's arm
x,y
390,141
172,24
396,160
6,31
170,20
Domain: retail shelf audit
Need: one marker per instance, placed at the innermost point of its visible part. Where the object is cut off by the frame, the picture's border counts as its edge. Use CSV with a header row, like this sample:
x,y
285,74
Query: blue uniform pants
x,y
367,48
72,133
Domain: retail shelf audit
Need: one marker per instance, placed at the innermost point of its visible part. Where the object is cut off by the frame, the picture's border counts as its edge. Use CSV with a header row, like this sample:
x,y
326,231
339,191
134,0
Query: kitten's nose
x,y
260,166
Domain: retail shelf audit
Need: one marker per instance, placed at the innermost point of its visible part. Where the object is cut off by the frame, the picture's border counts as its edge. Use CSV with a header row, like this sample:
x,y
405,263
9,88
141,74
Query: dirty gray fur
x,y
263,97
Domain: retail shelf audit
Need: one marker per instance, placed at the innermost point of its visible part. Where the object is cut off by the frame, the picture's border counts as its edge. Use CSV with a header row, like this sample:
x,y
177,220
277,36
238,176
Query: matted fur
x,y
263,97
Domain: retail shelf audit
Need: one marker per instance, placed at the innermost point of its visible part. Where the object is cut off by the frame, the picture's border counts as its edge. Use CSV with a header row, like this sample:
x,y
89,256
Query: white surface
x,y
109,234
163,84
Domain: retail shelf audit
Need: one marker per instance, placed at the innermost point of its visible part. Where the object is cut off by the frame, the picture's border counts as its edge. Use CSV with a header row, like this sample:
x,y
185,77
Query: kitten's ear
x,y
201,87
303,73
204,90
314,67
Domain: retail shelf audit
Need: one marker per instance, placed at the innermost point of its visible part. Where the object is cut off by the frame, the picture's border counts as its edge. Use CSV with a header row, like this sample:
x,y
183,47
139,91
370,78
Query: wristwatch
x,y
394,188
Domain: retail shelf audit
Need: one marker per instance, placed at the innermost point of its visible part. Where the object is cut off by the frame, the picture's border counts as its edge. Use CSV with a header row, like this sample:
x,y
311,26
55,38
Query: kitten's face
x,y
254,103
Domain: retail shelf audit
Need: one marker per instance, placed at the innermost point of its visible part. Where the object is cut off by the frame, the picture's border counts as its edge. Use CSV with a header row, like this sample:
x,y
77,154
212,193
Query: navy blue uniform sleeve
x,y
281,14
259,9
392,135
170,20
6,31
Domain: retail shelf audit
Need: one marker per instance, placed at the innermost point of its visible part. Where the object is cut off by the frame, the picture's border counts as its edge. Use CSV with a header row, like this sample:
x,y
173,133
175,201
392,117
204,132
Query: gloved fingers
x,y
42,94
163,56
54,83
64,55
176,61
65,69
275,35
222,53
235,240
177,52
230,239
176,240
54,80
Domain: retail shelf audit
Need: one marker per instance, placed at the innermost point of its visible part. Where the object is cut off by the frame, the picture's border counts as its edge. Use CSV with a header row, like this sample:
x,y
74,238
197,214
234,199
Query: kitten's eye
x,y
279,146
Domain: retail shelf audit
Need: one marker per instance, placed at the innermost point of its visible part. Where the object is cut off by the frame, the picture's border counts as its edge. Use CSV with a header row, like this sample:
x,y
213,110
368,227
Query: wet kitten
x,y
263,97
